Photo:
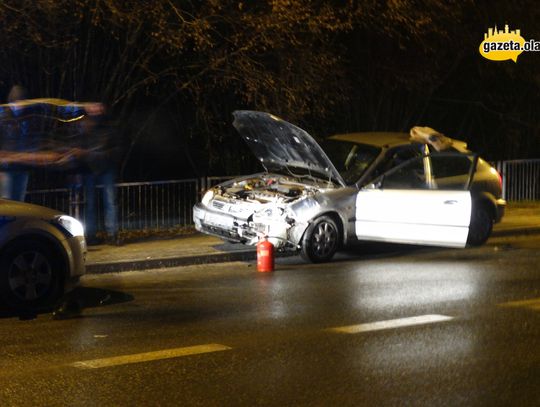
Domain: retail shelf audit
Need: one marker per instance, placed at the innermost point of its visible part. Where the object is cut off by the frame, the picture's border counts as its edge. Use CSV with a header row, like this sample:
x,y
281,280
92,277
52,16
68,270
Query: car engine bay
x,y
267,188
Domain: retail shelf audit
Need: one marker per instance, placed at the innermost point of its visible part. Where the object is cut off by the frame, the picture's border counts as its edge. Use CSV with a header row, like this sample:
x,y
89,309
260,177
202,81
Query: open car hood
x,y
282,146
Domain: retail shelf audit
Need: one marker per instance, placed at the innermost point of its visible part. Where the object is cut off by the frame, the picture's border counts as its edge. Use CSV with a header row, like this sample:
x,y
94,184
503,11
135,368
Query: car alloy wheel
x,y
321,240
30,275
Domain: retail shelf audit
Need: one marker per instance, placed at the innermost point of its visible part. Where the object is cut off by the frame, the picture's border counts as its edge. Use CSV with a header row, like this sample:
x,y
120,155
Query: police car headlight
x,y
207,197
70,225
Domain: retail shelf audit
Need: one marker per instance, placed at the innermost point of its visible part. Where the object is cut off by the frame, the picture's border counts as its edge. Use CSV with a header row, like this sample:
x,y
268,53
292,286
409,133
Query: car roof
x,y
392,138
375,138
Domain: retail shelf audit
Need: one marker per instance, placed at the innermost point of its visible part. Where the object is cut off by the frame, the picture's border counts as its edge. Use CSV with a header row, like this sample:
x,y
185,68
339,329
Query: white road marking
x,y
392,323
533,304
149,356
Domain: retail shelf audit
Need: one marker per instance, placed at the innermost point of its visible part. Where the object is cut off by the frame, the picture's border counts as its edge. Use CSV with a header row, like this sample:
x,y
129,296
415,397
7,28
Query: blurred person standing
x,y
26,131
102,153
15,137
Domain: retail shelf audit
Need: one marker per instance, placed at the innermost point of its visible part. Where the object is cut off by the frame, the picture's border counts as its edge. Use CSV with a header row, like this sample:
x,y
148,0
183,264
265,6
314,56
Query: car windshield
x,y
350,159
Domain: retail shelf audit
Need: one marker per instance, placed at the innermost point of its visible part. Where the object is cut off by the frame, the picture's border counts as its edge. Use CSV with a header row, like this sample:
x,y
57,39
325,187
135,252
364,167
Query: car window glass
x,y
444,172
451,171
407,176
395,157
350,159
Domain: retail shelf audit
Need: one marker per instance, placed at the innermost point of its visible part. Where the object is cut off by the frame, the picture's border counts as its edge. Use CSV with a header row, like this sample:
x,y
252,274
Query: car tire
x,y
30,275
321,240
481,225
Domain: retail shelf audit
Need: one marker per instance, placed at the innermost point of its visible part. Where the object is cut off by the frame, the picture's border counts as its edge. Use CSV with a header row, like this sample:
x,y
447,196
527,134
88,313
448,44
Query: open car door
x,y
423,201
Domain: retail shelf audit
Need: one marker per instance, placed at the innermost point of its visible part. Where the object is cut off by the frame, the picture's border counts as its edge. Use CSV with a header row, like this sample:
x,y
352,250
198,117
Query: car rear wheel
x,y
480,227
30,276
321,240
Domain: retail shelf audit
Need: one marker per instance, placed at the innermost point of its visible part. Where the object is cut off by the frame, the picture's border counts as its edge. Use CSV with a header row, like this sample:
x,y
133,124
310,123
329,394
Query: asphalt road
x,y
378,326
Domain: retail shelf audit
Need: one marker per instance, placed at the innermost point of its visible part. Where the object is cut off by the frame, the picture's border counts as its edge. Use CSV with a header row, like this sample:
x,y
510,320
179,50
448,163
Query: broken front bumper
x,y
236,229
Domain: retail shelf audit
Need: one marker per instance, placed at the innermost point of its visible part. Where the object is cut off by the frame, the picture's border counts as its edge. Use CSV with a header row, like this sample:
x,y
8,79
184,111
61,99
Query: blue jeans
x,y
106,179
13,185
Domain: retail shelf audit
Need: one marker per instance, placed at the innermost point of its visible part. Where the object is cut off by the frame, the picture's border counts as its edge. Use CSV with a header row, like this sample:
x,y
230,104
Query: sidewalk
x,y
199,248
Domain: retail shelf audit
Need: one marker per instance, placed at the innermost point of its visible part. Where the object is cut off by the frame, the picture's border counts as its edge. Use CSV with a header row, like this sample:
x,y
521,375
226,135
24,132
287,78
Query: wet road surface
x,y
378,326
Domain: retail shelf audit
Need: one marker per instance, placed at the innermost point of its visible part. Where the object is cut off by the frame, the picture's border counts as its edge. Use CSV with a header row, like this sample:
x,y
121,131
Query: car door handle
x,y
450,202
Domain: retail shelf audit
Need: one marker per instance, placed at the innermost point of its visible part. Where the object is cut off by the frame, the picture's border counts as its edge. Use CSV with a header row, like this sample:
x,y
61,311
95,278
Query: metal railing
x,y
156,205
61,199
520,179
165,205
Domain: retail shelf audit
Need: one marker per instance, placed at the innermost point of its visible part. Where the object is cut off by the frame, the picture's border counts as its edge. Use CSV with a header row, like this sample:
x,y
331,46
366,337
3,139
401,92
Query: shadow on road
x,y
388,250
96,297
72,304
366,251
374,249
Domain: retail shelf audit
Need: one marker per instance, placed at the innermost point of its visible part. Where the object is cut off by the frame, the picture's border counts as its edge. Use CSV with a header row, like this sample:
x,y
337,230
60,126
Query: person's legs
x,y
109,204
5,185
19,183
90,220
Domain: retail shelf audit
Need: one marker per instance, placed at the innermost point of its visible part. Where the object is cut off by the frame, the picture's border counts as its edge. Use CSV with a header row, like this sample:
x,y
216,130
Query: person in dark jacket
x,y
14,180
25,130
101,158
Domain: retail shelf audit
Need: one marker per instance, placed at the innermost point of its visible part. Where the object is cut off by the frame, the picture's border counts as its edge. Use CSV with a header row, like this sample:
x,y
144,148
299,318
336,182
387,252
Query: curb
x,y
225,257
137,265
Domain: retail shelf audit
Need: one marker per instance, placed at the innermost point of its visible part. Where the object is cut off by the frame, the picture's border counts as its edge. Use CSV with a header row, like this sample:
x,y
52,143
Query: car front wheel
x,y
30,275
321,240
480,227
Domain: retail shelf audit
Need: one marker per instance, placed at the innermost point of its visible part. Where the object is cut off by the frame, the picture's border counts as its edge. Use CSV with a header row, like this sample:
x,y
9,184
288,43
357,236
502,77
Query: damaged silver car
x,y
418,188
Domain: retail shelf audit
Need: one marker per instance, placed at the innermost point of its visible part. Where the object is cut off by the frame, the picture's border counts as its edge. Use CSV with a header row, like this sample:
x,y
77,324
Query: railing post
x,y
75,201
203,182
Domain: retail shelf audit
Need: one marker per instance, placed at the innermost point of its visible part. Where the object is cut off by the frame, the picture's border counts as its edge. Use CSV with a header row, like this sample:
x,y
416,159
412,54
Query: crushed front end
x,y
245,209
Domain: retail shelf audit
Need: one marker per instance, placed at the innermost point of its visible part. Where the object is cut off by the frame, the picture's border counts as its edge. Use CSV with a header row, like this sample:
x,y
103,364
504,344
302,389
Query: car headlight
x,y
207,197
71,225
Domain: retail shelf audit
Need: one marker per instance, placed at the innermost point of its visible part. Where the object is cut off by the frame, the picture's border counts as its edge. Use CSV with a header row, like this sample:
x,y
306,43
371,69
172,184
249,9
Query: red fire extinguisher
x,y
265,256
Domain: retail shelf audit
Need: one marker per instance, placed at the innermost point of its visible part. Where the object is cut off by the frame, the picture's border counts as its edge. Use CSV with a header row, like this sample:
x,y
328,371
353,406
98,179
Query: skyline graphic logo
x,y
502,45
